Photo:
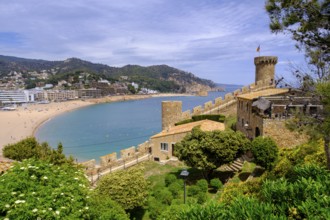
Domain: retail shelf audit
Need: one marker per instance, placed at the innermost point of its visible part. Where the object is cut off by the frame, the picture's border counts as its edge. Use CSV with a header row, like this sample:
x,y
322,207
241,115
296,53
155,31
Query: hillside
x,y
158,77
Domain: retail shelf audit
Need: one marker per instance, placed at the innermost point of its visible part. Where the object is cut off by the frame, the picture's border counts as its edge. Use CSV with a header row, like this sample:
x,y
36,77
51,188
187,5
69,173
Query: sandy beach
x,y
21,123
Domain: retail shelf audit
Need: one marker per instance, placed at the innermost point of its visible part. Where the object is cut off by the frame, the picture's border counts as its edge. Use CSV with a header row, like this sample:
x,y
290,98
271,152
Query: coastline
x,y
25,121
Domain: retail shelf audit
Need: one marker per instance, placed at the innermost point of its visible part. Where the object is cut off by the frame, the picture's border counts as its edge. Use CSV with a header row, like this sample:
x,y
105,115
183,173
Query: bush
x,y
169,179
265,152
216,184
193,190
175,188
203,185
30,148
218,118
128,188
105,208
304,195
164,196
36,189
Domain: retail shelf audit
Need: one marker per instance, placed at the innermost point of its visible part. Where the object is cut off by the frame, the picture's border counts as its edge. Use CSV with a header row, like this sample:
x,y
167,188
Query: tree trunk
x,y
327,150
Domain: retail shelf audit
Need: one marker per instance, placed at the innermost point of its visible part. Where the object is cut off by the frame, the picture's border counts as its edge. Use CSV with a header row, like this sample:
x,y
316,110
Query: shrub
x,y
218,118
193,190
128,188
155,207
36,189
169,179
164,196
203,185
304,195
265,152
175,188
201,197
30,148
216,184
105,208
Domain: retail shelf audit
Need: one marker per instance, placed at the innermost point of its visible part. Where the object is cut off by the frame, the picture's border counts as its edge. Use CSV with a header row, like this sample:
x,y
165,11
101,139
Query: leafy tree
x,y
209,150
308,22
35,189
127,187
131,89
30,148
265,152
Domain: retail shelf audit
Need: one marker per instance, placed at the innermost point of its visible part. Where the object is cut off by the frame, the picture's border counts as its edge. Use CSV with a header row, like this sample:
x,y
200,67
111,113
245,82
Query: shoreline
x,y
25,121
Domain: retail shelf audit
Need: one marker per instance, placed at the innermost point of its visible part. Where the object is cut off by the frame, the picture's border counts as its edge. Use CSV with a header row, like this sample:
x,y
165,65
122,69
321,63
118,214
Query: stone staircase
x,y
235,166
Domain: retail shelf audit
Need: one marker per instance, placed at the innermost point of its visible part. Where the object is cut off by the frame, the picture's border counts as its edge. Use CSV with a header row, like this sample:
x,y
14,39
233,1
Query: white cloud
x,y
202,37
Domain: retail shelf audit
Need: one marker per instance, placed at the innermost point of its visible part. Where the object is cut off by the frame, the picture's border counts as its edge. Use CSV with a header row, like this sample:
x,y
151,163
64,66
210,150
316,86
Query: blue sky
x,y
213,39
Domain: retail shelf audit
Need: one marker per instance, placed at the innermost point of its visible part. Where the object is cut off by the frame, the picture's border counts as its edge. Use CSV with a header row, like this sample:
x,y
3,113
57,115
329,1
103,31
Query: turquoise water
x,y
97,130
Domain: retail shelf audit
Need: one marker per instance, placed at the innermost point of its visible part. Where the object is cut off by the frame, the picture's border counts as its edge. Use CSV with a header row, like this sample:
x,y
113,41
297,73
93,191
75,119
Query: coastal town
x,y
247,137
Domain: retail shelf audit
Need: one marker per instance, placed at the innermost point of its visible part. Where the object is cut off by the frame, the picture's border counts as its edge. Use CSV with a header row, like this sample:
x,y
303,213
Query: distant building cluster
x,y
75,87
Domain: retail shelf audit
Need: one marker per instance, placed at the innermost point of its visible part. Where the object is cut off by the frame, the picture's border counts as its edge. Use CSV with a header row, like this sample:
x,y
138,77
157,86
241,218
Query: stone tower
x,y
171,113
265,68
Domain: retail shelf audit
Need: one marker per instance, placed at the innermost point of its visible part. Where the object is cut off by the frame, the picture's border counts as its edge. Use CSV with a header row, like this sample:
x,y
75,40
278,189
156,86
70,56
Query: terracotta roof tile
x,y
206,125
266,92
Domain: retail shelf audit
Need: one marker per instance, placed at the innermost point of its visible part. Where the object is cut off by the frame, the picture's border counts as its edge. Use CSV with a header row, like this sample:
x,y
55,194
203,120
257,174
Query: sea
x,y
93,131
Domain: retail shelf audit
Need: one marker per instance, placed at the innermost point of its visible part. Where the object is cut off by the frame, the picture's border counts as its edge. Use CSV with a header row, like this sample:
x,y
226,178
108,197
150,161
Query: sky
x,y
213,39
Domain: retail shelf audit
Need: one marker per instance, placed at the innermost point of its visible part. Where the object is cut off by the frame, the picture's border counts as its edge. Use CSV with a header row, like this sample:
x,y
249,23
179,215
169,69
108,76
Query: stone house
x,y
162,144
264,113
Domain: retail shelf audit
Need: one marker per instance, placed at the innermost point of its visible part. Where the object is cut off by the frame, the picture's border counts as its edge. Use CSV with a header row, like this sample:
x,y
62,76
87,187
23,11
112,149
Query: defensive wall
x,y
111,162
264,79
172,110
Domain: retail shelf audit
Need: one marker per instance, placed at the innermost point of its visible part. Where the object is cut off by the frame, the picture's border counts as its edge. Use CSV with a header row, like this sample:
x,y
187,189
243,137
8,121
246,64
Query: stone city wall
x,y
217,106
110,161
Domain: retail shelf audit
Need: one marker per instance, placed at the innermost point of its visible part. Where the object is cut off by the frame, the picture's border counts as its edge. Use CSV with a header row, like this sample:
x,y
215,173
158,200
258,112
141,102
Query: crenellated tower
x,y
171,113
265,68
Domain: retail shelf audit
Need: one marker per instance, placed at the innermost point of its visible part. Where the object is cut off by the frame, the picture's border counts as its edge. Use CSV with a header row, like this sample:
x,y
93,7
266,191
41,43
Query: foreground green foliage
x,y
128,188
210,150
104,208
305,195
34,189
30,148
265,152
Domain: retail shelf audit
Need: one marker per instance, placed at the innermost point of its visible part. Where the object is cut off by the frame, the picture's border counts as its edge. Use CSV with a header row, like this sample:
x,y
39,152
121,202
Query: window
x,y
164,146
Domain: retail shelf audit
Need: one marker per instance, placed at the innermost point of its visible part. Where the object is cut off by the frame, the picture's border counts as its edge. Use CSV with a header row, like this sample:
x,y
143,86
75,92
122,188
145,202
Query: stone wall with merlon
x,y
186,115
237,92
208,105
127,153
89,165
144,147
197,110
218,101
252,86
108,159
229,96
245,89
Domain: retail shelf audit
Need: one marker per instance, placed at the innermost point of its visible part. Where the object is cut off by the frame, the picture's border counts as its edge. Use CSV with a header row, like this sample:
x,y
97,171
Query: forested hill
x,y
139,74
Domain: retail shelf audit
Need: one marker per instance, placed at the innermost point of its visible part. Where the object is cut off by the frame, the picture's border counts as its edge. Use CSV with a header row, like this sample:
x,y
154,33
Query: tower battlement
x,y
265,60
265,68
